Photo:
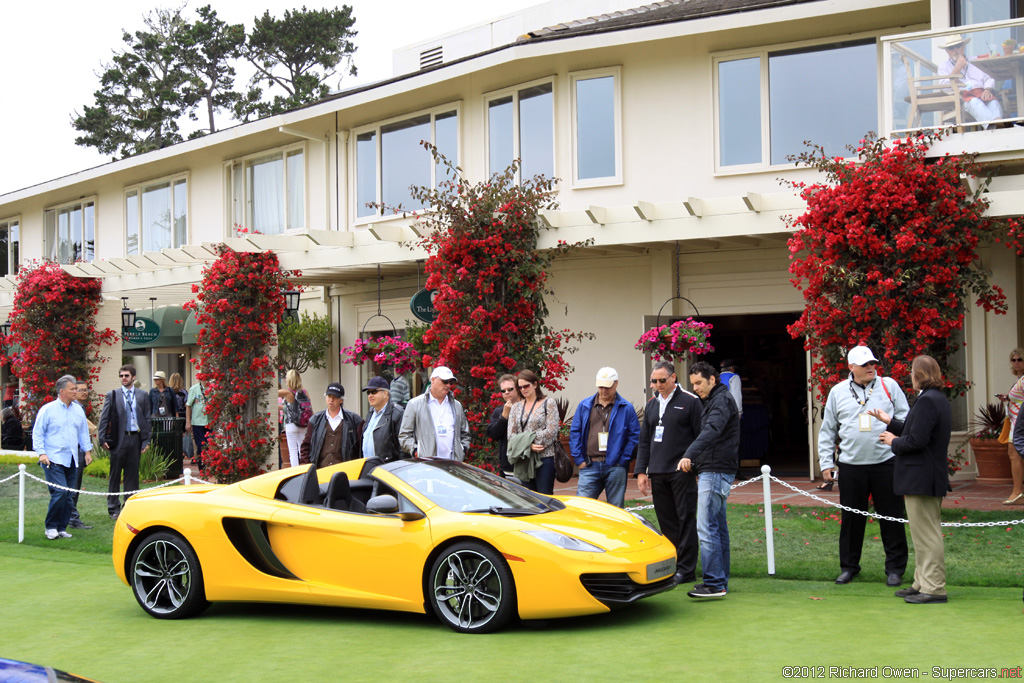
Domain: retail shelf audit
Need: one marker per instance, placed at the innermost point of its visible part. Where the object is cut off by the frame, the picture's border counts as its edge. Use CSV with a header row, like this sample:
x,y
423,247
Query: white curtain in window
x,y
296,191
266,195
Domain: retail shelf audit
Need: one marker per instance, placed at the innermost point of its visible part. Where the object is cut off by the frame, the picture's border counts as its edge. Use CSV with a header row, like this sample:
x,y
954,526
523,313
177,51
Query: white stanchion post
x,y
21,503
769,529
188,476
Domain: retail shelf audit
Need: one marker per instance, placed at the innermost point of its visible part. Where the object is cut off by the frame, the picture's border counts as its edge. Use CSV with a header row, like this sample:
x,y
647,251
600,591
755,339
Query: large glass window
x,y
69,232
156,215
827,94
10,252
596,137
269,192
520,125
390,159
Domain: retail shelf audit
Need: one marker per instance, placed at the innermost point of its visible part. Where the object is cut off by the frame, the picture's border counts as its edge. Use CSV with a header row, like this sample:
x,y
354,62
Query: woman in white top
x,y
538,414
292,394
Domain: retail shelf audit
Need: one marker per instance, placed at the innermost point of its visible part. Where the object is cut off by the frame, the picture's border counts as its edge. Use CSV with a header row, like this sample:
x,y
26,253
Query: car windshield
x,y
461,488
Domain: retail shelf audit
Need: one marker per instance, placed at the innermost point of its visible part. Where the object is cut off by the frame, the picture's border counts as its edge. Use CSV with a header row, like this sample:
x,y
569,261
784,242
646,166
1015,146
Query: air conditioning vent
x,y
431,57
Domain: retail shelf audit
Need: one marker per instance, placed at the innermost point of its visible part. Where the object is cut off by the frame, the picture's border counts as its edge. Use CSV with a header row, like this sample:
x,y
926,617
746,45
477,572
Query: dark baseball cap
x,y
377,383
335,389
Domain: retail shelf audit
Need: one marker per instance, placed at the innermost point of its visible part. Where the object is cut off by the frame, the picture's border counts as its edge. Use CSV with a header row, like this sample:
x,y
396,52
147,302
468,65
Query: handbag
x,y
564,466
1004,436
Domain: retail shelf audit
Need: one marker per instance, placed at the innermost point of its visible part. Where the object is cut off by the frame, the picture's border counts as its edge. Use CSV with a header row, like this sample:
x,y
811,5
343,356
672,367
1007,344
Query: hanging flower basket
x,y
388,351
676,340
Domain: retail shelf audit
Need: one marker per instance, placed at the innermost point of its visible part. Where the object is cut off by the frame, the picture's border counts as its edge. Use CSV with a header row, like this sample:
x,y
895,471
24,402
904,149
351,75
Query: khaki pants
x,y
929,554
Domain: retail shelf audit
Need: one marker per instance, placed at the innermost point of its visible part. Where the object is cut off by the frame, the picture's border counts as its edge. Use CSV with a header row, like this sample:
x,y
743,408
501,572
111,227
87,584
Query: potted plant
x,y
676,340
388,351
989,454
564,422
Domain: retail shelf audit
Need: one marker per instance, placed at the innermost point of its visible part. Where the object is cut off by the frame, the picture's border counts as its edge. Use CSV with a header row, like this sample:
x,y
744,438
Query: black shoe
x,y
893,580
684,578
703,591
924,598
905,592
79,524
114,515
846,577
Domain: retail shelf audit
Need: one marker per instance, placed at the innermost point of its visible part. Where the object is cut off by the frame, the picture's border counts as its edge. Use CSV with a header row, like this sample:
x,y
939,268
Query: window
x,y
596,127
69,232
520,125
156,215
268,191
389,159
10,251
768,103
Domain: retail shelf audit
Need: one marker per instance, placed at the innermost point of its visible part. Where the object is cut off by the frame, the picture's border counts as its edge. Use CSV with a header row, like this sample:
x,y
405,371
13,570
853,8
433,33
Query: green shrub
x,y
99,467
12,459
153,464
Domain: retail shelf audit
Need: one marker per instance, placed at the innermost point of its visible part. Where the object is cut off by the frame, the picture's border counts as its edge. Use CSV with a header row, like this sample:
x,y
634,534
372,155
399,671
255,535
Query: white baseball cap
x,y
606,377
860,355
442,372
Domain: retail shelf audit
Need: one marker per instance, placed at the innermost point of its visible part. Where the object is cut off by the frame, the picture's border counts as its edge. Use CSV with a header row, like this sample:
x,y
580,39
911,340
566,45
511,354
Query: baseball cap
x,y
606,377
377,383
159,374
442,372
860,355
335,389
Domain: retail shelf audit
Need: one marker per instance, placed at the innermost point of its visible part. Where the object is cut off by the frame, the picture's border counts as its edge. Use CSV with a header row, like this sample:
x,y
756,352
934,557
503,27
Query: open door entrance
x,y
773,368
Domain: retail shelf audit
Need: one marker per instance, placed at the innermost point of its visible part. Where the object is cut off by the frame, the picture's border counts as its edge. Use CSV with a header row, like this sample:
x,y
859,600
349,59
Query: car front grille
x,y
618,589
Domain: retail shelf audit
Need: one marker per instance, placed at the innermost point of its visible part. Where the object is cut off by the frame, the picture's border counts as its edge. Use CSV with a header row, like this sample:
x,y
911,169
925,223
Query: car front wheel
x,y
166,577
472,588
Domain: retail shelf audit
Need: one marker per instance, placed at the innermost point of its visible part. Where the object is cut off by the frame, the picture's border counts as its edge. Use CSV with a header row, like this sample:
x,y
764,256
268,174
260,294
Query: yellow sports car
x,y
412,535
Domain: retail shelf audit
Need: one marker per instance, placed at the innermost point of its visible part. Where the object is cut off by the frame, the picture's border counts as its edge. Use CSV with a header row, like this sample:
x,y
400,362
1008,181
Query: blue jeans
x,y
543,478
58,514
712,529
598,476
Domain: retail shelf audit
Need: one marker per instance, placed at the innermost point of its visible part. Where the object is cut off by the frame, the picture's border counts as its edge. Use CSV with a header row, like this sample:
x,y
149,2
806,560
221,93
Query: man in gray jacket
x,y
866,464
434,424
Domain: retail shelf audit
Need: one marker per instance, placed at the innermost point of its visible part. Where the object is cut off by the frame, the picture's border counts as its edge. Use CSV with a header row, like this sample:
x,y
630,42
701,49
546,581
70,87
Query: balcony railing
x,y
928,86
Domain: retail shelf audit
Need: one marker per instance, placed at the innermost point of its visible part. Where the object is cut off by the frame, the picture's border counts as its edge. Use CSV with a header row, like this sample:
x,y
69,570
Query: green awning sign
x,y
422,305
146,331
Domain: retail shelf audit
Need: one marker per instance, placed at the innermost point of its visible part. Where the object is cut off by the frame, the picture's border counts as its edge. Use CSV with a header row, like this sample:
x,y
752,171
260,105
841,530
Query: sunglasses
x,y
508,391
1016,360
123,376
659,381
451,382
524,386
371,392
870,364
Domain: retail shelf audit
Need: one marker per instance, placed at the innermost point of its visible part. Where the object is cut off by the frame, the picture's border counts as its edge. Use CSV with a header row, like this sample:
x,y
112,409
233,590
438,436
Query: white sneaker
x,y
64,534
51,534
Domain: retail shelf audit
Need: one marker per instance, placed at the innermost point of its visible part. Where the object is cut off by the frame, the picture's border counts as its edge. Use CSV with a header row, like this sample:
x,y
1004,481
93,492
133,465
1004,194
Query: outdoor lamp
x,y
5,329
291,301
127,315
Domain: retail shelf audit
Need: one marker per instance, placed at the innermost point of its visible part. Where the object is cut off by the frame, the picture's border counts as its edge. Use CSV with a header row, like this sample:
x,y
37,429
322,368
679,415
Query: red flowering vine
x,y
886,255
54,322
239,304
491,281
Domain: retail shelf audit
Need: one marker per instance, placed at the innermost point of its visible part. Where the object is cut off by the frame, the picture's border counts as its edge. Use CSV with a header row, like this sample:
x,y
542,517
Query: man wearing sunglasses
x,y
124,431
866,465
378,434
434,424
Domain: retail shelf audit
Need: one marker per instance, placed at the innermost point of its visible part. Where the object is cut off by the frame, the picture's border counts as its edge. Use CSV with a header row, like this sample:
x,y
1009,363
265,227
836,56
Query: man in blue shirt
x,y
60,431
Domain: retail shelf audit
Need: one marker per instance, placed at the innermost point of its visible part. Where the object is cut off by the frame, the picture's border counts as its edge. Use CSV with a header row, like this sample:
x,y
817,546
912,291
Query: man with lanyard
x,y
866,465
196,420
59,434
602,437
124,429
671,423
434,424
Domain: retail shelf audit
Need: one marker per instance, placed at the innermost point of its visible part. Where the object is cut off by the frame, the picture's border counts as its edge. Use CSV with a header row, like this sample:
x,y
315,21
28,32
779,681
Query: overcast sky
x,y
52,53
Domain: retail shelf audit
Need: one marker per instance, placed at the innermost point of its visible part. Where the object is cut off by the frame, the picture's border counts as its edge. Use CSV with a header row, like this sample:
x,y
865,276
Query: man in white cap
x,y
976,87
602,438
866,465
434,424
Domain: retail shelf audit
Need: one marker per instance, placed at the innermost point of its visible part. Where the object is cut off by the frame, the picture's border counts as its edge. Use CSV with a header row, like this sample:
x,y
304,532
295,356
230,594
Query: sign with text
x,y
422,305
146,331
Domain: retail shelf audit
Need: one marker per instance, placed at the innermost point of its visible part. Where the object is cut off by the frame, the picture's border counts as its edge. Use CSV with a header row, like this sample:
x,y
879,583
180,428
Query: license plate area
x,y
660,570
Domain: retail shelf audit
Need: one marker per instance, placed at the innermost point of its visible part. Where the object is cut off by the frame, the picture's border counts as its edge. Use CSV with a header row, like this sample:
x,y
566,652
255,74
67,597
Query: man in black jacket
x,y
714,456
331,434
378,433
671,423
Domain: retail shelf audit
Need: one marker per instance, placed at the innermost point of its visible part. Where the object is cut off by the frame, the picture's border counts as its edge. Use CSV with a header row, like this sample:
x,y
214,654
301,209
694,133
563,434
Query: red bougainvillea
x,y
886,255
238,306
54,322
490,281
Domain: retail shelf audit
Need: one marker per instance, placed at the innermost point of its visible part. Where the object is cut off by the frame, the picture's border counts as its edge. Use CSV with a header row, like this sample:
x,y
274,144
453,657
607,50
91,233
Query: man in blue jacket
x,y
604,433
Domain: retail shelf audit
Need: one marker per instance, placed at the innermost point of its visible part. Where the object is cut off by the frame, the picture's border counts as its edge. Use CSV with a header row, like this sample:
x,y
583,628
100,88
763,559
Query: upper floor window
x,y
69,232
389,159
596,127
768,102
156,215
268,191
521,125
10,251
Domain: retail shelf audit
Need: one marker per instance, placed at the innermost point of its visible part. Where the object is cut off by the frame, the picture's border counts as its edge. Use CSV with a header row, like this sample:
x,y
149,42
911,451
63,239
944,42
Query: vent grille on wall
x,y
431,57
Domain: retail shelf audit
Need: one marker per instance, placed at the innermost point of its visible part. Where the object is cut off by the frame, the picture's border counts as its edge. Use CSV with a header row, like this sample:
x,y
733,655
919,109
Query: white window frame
x,y
574,77
12,266
516,150
762,53
57,208
139,189
376,127
239,165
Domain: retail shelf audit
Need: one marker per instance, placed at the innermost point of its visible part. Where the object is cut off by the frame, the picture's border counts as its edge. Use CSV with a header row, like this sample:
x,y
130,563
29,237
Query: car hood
x,y
603,525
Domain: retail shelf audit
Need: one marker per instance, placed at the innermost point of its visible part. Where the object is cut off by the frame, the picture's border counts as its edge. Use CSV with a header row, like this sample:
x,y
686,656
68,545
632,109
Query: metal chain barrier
x,y
734,486
2,481
101,493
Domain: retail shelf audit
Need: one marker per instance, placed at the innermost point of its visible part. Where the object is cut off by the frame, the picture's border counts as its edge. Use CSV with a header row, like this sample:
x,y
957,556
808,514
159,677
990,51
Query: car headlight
x,y
646,523
565,542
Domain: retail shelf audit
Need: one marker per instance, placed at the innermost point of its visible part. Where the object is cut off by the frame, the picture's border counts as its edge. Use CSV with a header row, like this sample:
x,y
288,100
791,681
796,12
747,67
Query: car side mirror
x,y
388,505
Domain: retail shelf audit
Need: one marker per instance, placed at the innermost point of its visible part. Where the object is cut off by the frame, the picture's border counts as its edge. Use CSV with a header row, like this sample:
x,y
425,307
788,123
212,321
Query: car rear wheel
x,y
472,590
166,577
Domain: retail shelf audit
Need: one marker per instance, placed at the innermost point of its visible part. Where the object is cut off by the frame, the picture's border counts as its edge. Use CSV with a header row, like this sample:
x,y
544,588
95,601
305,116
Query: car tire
x,y
471,588
166,577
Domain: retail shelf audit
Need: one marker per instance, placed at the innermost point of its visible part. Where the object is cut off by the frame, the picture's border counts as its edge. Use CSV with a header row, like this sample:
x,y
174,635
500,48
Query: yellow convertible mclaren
x,y
412,535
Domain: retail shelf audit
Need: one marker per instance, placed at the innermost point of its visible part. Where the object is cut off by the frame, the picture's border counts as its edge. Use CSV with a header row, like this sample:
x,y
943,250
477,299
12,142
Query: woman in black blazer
x,y
920,443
